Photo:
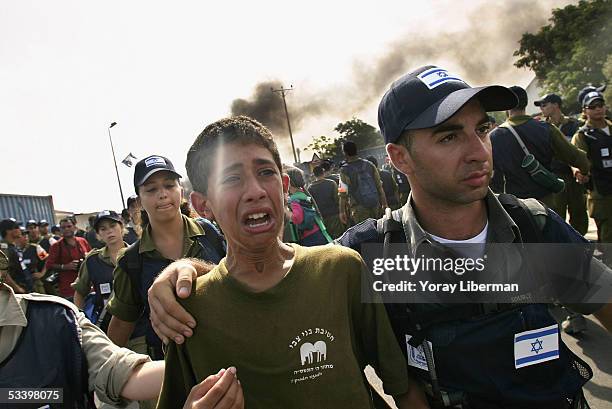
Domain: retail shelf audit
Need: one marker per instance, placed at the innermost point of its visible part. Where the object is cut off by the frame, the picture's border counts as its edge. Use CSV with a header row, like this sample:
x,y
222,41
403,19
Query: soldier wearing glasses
x,y
594,138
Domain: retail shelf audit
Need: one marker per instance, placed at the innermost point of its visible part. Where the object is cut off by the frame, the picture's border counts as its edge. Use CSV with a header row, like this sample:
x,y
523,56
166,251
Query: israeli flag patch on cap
x,y
536,346
435,77
592,94
155,161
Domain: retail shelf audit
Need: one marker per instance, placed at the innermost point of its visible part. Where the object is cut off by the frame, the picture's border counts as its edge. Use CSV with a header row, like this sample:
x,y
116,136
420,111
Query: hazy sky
x,y
163,70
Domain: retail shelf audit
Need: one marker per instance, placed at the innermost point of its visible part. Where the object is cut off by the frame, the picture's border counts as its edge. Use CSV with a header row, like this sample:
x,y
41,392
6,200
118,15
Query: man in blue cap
x,y
594,137
466,355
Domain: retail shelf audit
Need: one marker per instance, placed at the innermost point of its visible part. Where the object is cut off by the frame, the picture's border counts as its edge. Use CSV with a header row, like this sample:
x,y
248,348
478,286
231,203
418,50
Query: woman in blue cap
x,y
167,235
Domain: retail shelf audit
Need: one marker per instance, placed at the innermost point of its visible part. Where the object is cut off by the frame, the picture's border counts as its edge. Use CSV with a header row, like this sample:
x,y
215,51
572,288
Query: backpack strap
x,y
390,229
131,263
530,216
214,237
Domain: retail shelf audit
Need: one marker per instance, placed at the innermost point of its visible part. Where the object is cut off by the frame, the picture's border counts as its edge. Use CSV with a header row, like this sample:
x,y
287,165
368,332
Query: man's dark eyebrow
x,y
455,127
447,128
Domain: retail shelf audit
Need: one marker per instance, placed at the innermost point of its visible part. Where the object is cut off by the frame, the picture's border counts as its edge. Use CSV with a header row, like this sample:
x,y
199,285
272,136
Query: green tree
x,y
326,147
360,132
571,51
607,71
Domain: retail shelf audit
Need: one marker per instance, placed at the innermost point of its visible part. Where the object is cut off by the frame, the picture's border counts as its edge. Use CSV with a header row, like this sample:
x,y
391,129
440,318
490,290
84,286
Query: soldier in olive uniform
x,y
45,236
33,232
325,194
594,138
9,230
573,198
359,184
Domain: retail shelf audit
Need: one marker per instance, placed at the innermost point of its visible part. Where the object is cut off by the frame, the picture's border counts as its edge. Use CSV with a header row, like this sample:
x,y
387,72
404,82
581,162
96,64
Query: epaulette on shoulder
x,y
3,246
92,252
50,298
364,232
537,210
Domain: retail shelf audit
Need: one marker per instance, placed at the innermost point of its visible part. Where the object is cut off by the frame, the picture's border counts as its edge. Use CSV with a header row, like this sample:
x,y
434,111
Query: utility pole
x,y
115,162
282,91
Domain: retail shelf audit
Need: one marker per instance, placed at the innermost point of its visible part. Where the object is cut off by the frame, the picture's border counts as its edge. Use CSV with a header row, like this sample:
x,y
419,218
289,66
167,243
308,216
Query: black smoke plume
x,y
481,54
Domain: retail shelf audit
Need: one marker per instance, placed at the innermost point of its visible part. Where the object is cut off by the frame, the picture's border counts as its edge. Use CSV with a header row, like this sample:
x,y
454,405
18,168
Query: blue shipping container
x,y
24,208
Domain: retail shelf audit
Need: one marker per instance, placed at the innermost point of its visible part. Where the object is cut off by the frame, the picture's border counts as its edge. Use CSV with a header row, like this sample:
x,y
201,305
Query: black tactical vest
x,y
101,275
600,155
387,183
325,195
403,185
472,344
143,271
48,354
508,155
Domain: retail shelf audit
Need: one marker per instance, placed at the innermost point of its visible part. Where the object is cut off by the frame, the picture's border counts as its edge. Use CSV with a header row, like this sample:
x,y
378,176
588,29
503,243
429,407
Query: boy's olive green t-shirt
x,y
302,344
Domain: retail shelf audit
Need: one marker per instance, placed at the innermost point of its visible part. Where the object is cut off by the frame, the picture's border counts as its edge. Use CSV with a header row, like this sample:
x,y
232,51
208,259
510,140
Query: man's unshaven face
x,y
452,162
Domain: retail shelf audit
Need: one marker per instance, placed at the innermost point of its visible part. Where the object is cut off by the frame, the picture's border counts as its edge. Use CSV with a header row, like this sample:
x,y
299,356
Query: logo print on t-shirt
x,y
313,362
313,353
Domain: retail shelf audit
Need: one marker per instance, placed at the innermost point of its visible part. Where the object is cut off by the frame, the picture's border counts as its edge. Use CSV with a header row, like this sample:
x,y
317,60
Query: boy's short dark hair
x,y
296,176
349,148
318,170
238,129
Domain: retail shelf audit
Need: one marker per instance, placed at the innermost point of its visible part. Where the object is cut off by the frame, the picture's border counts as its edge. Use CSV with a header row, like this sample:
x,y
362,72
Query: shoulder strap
x,y
517,137
529,215
390,229
35,297
213,236
131,263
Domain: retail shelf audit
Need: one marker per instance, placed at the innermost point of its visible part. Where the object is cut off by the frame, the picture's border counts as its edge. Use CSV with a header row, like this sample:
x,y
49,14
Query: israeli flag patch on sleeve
x,y
536,346
436,76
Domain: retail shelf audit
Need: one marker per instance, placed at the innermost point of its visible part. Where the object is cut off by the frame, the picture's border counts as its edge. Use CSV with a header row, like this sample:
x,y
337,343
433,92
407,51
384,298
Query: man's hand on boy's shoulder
x,y
220,391
168,318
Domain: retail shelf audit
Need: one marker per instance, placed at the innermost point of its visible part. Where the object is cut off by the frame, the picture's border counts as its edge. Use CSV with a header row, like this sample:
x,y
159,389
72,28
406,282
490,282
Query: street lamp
x,y
115,162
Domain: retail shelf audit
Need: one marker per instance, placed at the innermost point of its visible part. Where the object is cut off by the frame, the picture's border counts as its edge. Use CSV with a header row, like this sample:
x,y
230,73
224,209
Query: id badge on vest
x,y
416,356
105,288
536,346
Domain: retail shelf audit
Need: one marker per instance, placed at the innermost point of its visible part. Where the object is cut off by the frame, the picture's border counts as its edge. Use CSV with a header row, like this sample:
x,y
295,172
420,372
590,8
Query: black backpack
x,y
363,186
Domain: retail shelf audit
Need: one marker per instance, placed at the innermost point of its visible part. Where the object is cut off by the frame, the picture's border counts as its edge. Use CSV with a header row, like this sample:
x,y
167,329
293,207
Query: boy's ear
x,y
199,203
285,182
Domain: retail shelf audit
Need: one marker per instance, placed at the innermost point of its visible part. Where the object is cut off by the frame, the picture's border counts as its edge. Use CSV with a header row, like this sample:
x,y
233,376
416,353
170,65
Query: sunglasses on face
x,y
595,105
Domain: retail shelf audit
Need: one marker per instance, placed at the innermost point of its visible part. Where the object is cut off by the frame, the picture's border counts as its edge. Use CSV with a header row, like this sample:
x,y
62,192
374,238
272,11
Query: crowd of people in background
x,y
107,268
325,198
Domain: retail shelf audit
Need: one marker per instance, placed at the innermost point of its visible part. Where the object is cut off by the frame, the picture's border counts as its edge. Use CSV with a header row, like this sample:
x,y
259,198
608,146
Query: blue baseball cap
x,y
591,97
430,95
150,165
106,215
